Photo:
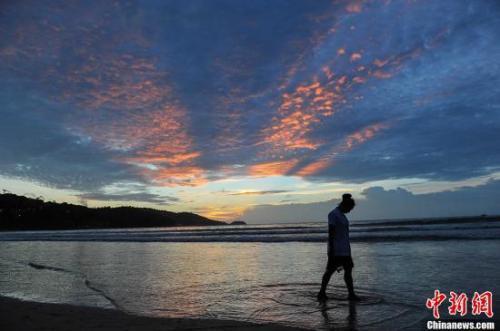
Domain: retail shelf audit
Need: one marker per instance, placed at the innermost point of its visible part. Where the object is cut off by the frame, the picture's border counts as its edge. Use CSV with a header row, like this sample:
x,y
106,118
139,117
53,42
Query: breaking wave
x,y
368,231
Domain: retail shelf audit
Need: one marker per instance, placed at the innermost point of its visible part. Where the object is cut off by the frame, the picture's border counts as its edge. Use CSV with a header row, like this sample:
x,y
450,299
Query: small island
x,y
23,213
238,223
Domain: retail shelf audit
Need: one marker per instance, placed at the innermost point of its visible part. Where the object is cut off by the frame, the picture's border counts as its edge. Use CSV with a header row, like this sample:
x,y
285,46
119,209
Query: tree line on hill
x,y
22,213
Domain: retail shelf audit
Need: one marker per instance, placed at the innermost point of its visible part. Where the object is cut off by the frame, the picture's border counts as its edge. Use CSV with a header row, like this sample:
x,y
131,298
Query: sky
x,y
264,111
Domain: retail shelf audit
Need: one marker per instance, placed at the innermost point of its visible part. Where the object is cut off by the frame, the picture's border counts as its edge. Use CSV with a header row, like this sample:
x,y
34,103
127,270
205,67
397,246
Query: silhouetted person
x,y
339,247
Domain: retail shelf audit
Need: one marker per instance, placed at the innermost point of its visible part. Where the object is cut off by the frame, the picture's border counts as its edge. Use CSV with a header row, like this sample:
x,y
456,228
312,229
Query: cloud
x,y
272,168
180,94
351,141
35,145
136,197
259,192
379,203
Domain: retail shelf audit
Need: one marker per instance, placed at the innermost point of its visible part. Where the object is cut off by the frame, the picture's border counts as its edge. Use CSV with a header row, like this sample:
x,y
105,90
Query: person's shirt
x,y
340,241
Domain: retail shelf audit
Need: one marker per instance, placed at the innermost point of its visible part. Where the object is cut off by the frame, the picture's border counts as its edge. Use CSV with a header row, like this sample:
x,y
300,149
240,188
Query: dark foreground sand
x,y
24,315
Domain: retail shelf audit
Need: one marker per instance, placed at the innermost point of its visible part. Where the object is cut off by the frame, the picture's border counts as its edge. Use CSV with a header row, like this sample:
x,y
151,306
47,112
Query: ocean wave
x,y
274,238
307,232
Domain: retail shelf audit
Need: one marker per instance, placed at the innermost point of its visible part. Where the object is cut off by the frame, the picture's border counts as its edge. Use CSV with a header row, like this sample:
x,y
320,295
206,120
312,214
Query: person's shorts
x,y
335,262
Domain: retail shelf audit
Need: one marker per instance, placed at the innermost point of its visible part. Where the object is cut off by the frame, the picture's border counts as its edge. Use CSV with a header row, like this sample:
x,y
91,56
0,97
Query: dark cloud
x,y
181,93
442,110
35,145
378,203
130,192
136,197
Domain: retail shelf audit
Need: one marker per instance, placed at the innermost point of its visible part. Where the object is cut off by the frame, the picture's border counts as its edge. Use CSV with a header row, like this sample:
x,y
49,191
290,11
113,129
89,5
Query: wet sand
x,y
25,315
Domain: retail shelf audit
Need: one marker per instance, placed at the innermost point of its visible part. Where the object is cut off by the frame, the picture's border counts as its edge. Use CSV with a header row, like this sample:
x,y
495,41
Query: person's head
x,y
347,203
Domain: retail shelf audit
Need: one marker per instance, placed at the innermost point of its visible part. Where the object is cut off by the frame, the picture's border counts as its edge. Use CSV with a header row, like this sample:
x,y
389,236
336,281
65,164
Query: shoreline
x,y
17,314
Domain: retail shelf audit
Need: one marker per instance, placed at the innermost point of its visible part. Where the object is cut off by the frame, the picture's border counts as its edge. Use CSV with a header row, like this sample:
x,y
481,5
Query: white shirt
x,y
341,244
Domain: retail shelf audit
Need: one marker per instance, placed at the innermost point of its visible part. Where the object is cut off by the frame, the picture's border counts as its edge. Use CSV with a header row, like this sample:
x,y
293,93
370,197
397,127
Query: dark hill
x,y
22,213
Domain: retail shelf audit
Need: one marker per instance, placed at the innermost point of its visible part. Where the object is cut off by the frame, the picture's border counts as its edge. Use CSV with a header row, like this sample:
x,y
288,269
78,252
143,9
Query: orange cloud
x,y
313,167
122,101
142,114
303,108
297,114
380,63
354,7
155,158
381,74
342,80
177,176
355,57
351,141
361,136
162,141
328,72
359,80
272,168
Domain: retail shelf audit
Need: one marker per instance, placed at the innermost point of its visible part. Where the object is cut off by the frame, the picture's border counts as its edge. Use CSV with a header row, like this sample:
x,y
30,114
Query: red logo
x,y
435,302
458,304
481,303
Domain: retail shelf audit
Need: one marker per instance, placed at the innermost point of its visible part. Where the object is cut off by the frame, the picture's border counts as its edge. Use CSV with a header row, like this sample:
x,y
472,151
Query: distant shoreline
x,y
27,315
20,213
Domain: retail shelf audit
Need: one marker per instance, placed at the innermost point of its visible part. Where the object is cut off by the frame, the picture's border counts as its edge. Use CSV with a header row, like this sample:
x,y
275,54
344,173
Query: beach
x,y
24,315
253,275
249,165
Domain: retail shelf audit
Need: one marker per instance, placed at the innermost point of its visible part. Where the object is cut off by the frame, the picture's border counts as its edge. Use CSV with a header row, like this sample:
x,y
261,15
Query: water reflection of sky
x,y
249,281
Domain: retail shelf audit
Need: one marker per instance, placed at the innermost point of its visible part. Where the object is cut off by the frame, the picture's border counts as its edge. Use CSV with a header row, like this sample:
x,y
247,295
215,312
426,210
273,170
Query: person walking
x,y
339,247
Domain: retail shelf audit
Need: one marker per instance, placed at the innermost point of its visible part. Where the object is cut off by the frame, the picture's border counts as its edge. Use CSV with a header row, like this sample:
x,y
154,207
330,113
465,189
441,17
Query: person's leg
x,y
326,279
349,282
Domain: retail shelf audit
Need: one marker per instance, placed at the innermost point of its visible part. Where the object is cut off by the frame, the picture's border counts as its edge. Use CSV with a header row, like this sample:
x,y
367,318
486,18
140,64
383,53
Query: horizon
x,y
331,203
261,112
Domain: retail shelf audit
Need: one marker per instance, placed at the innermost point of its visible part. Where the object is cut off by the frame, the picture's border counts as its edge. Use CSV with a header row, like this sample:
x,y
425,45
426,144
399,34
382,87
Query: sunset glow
x,y
271,104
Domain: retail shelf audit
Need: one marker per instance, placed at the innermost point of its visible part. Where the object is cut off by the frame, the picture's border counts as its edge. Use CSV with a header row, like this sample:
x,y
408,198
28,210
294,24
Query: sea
x,y
261,273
